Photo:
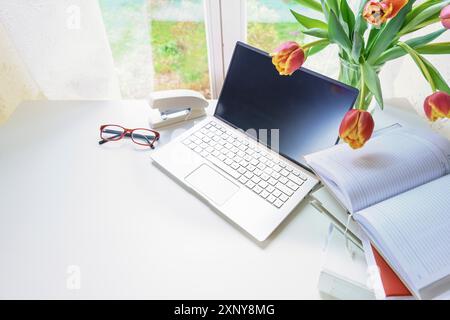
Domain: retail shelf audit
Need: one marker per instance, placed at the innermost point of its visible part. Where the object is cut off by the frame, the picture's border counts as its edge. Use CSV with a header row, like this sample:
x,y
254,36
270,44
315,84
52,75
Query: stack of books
x,y
397,190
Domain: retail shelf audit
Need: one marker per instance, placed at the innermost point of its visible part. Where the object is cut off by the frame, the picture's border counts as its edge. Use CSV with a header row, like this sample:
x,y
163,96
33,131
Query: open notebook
x,y
398,189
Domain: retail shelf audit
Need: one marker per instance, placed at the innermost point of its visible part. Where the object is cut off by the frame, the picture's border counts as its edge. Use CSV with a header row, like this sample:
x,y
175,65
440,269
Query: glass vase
x,y
350,73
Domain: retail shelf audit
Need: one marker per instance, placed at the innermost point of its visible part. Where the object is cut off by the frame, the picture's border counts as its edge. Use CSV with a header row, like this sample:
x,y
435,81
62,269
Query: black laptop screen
x,y
305,107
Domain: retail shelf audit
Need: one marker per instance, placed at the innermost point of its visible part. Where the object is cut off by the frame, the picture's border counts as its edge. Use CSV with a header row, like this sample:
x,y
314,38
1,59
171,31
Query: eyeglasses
x,y
141,136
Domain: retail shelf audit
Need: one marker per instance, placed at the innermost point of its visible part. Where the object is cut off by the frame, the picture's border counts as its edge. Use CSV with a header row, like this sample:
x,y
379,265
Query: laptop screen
x,y
306,107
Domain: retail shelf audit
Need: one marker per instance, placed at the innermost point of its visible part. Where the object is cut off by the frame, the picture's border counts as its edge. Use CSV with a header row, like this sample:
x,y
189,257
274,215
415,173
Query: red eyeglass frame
x,y
129,133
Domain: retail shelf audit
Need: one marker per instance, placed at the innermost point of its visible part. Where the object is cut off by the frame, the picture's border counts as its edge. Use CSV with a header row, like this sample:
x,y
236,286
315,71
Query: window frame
x,y
223,30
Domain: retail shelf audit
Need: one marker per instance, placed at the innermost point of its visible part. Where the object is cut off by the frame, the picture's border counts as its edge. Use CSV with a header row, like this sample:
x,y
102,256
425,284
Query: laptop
x,y
246,161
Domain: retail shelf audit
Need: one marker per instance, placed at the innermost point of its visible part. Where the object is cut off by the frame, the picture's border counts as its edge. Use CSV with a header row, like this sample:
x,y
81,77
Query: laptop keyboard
x,y
246,161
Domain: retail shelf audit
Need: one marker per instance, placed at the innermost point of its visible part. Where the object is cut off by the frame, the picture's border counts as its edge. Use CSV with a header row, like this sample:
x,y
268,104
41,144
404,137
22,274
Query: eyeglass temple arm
x,y
113,137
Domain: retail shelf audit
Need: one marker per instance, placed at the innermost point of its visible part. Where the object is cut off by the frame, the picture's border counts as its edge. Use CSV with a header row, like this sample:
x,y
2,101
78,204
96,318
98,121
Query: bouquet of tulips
x,y
367,39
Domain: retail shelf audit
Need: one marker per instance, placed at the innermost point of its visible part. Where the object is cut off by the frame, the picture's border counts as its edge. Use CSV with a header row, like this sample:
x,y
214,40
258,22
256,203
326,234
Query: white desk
x,y
131,230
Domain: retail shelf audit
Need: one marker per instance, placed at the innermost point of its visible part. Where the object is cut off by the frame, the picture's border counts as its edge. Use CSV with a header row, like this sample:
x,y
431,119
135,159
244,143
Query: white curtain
x,y
128,28
53,49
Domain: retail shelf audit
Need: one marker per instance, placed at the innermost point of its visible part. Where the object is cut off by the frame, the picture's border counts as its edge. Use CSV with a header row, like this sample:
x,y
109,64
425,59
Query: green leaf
x,y
316,32
439,81
325,8
414,42
309,23
396,52
360,22
348,16
391,54
419,62
430,73
426,14
312,27
358,42
336,33
434,48
312,4
358,34
386,36
423,25
372,82
344,55
417,9
333,5
373,34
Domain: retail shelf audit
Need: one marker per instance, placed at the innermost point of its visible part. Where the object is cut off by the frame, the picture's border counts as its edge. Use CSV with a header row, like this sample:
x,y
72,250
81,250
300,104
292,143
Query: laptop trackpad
x,y
211,184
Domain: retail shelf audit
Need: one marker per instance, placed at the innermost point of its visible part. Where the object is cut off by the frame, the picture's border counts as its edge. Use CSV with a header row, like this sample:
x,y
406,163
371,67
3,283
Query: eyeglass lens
x,y
112,133
143,137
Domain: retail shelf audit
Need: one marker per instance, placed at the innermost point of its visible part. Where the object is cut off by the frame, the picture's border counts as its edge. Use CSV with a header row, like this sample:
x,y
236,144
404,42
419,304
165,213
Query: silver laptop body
x,y
250,184
253,186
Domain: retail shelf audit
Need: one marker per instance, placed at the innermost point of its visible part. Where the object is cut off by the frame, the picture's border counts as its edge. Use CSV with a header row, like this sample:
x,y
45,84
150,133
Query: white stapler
x,y
173,106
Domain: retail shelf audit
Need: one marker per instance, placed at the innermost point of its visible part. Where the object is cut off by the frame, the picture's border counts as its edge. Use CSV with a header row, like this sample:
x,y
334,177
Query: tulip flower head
x,y
445,17
356,128
288,57
378,12
395,6
437,106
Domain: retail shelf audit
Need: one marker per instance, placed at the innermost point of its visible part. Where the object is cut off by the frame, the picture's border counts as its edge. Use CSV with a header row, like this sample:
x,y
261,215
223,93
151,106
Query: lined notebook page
x,y
386,166
412,230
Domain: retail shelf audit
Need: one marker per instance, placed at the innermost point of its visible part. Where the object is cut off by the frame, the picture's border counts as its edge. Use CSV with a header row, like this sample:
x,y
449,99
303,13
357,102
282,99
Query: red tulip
x,y
437,105
288,57
445,17
396,6
378,12
356,128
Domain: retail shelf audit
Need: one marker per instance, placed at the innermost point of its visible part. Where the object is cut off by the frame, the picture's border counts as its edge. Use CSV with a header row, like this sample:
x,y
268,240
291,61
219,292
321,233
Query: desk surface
x,y
128,229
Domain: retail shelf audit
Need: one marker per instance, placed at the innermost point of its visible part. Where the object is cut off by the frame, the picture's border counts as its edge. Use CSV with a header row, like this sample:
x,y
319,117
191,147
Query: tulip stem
x,y
362,93
315,43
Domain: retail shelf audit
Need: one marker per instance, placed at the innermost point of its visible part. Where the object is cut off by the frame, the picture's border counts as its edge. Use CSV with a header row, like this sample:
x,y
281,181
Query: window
x,y
171,44
157,45
269,23
179,48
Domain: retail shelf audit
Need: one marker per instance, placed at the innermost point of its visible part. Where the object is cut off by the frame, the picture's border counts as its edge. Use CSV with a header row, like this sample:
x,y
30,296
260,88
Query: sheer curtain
x,y
53,49
128,27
